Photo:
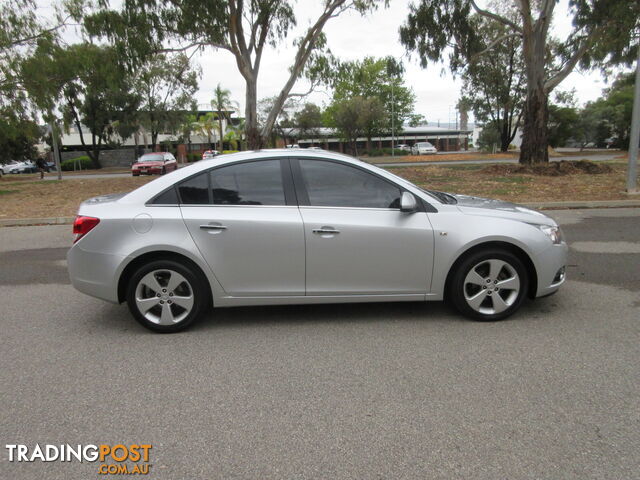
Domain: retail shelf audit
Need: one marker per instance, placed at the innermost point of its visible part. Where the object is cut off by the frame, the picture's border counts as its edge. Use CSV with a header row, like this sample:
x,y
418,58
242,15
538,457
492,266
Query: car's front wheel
x,y
489,285
166,296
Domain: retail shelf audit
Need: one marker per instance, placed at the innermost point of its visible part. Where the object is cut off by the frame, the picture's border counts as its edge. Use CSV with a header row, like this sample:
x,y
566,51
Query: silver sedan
x,y
301,227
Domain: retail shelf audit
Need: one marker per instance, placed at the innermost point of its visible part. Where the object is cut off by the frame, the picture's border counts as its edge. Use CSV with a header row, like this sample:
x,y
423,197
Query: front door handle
x,y
326,231
213,227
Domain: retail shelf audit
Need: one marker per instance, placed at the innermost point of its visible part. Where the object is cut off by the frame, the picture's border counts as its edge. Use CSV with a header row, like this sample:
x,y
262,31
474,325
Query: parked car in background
x,y
423,148
295,145
50,166
154,163
404,147
209,154
306,227
24,167
6,168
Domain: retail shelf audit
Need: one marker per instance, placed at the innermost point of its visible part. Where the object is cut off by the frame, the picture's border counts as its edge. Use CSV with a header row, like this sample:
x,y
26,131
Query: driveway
x,y
333,391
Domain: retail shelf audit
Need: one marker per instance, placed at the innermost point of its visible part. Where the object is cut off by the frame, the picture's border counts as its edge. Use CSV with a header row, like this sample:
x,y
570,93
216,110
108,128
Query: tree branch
x,y
30,38
493,44
553,81
304,51
495,16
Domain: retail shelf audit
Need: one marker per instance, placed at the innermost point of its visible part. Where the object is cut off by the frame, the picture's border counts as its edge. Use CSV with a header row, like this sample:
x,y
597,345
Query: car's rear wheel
x,y
489,285
166,296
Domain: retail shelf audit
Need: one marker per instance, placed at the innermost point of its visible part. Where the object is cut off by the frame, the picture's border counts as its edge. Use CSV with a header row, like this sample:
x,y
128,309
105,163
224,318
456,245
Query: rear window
x,y
167,198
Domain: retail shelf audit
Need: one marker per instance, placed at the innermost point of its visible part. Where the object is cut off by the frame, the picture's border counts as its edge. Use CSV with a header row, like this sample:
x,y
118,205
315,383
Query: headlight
x,y
554,233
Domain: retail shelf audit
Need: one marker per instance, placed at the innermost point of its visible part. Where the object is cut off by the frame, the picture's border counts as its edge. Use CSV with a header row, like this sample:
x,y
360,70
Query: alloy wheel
x,y
164,297
491,286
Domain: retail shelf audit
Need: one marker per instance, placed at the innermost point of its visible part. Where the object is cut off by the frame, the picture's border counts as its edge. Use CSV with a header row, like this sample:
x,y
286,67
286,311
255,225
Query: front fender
x,y
453,238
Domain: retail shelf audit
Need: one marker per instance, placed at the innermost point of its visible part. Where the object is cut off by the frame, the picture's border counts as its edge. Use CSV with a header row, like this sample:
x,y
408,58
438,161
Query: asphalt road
x,y
375,391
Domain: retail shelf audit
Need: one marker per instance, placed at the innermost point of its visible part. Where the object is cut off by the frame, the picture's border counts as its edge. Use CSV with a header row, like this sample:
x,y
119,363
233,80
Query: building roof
x,y
406,131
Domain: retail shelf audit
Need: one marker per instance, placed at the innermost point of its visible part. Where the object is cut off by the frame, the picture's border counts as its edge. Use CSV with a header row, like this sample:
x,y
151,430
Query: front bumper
x,y
147,171
551,266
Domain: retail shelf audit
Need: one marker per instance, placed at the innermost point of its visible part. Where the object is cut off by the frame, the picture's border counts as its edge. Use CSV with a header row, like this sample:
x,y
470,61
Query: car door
x,y
358,242
245,222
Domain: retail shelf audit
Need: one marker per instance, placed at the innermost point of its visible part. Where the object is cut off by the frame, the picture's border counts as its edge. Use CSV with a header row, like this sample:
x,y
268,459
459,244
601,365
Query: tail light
x,y
83,225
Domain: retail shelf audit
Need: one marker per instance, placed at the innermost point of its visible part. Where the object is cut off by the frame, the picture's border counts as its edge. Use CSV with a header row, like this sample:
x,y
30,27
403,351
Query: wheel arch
x,y
147,257
501,245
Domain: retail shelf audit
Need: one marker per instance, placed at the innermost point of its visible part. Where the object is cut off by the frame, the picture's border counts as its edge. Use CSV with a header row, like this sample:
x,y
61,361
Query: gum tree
x,y
604,32
244,29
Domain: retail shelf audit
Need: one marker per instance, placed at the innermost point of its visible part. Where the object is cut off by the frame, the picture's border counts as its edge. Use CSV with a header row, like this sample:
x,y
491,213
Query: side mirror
x,y
408,203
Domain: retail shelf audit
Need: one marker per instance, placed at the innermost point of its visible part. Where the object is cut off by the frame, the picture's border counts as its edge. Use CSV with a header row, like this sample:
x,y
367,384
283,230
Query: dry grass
x,y
443,158
565,182
39,199
522,184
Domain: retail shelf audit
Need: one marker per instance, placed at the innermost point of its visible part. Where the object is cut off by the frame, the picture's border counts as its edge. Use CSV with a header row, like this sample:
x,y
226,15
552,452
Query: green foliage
x,y
222,104
71,164
356,117
604,33
489,137
18,136
494,84
194,157
141,27
381,79
22,29
564,122
166,85
610,115
89,85
308,120
205,126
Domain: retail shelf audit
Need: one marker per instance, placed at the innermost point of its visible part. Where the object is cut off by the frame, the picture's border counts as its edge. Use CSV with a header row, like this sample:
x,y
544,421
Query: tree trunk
x,y
220,145
534,148
254,140
505,137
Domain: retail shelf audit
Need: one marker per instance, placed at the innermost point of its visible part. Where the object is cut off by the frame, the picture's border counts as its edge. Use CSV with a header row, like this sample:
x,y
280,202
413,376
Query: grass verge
x,y
555,182
569,181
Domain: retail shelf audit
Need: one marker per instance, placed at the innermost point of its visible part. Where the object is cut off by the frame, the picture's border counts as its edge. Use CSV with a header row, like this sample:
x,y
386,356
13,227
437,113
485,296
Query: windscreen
x,y
151,157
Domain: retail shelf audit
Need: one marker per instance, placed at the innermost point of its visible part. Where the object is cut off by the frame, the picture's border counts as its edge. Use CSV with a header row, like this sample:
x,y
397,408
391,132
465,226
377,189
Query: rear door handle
x,y
326,230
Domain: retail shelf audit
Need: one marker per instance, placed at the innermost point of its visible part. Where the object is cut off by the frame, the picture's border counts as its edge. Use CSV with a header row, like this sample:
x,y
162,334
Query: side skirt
x,y
228,301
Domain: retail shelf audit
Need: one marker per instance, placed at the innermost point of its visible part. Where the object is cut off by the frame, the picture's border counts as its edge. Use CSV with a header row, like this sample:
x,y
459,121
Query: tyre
x,y
489,285
167,296
135,174
164,170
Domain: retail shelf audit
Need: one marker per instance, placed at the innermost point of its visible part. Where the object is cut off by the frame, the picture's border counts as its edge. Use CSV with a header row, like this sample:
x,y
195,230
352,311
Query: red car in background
x,y
154,163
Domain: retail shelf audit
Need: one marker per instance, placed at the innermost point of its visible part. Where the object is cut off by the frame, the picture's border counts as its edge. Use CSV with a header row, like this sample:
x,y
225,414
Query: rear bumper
x,y
551,269
94,273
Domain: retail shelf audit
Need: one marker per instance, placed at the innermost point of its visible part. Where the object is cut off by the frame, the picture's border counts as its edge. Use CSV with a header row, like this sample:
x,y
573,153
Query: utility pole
x,y
393,124
56,153
632,169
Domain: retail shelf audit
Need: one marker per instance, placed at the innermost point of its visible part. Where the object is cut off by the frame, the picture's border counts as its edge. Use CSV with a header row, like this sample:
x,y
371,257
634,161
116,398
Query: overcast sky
x,y
352,37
